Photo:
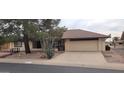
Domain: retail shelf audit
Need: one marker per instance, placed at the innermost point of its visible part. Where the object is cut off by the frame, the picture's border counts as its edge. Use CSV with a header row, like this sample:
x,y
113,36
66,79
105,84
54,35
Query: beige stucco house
x,y
74,40
81,40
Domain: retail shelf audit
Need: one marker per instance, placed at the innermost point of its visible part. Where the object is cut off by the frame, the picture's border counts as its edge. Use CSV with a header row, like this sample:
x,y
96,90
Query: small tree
x,y
115,39
23,28
5,39
47,38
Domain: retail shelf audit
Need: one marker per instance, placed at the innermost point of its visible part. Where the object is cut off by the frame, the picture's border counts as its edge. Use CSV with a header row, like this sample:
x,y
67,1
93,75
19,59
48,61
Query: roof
x,y
82,34
122,36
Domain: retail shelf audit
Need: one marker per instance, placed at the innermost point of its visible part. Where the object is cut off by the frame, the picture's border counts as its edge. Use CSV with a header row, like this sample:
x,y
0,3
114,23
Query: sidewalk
x,y
63,60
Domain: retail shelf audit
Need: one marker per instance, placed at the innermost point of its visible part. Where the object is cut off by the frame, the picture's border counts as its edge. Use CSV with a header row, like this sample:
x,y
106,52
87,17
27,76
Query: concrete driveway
x,y
80,59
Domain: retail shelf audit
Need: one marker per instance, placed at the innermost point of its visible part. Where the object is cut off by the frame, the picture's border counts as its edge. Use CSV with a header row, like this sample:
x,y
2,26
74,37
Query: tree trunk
x,y
26,44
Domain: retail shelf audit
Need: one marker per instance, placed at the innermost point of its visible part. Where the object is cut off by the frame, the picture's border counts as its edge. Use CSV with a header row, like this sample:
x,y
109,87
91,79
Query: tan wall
x,y
101,44
10,45
85,45
5,46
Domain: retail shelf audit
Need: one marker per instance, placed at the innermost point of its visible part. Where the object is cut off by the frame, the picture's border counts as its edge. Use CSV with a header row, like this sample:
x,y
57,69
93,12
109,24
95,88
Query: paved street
x,y
30,68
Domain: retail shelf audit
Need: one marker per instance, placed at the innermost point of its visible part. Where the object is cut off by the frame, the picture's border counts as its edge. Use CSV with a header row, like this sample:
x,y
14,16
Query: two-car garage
x,y
80,40
81,45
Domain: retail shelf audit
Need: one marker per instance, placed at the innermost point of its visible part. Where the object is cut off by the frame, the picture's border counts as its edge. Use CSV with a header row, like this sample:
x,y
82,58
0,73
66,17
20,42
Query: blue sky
x,y
104,26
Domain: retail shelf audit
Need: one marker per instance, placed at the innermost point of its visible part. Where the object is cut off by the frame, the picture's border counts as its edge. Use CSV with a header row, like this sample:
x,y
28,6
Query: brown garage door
x,y
83,45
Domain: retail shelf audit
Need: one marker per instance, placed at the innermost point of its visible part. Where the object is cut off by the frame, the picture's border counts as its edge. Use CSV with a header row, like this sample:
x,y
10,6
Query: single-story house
x,y
81,40
72,40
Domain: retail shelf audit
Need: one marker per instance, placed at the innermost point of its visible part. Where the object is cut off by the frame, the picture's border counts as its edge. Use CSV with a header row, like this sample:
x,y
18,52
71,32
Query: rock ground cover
x,y
116,55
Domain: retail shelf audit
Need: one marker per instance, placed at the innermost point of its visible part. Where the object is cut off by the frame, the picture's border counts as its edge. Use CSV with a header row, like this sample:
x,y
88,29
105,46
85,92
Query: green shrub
x,y
49,53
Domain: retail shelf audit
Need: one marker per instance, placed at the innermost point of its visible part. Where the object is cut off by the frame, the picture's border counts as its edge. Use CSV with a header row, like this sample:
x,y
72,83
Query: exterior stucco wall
x,y
10,45
85,45
101,44
5,46
67,44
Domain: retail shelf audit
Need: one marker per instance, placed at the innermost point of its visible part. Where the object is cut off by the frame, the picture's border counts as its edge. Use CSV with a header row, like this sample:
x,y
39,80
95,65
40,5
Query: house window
x,y
55,44
37,44
17,44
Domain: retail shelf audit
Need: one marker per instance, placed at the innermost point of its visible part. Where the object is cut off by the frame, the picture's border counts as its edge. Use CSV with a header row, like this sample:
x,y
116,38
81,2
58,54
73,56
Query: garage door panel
x,y
87,45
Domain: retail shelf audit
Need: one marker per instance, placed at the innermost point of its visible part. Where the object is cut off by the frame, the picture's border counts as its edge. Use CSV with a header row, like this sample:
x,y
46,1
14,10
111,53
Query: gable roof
x,y
82,34
122,36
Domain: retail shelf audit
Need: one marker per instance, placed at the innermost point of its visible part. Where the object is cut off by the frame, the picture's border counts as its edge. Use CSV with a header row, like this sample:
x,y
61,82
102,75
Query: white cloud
x,y
105,26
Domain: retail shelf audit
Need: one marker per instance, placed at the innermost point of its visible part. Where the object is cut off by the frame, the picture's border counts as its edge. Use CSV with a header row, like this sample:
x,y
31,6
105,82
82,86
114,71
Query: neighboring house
x,y
122,38
81,40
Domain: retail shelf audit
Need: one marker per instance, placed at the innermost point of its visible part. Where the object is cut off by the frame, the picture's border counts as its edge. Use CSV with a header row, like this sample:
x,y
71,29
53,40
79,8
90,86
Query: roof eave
x,y
86,37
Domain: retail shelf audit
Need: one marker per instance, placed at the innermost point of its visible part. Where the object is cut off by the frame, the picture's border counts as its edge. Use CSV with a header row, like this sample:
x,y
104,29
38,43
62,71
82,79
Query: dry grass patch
x,y
32,55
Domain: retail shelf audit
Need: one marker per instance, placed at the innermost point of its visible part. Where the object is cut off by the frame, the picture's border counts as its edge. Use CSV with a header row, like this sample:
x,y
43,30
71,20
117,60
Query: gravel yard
x,y
116,55
32,55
